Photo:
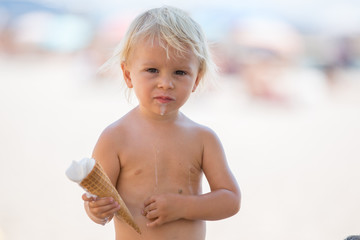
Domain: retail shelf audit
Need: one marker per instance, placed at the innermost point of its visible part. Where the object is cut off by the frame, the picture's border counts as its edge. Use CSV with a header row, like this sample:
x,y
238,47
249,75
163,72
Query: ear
x,y
126,74
197,81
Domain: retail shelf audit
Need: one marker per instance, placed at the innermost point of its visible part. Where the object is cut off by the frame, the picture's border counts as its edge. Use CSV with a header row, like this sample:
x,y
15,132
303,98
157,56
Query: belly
x,y
138,186
138,183
180,229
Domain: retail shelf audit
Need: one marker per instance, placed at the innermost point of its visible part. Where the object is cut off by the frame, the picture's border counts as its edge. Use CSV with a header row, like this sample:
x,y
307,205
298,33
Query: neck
x,y
156,117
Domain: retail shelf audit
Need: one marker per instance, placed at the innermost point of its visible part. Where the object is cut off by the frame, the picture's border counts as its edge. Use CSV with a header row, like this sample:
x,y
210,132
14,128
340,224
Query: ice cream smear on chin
x,y
162,109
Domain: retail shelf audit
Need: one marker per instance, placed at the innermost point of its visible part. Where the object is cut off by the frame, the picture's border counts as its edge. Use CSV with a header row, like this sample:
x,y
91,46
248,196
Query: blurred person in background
x,y
265,49
266,55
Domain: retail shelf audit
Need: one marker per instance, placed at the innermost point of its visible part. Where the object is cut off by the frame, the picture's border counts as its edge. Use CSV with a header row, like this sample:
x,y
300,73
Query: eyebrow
x,y
177,66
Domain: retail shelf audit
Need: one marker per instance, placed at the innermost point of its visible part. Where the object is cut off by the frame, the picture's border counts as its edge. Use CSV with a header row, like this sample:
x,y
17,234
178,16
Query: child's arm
x,y
101,210
225,198
223,201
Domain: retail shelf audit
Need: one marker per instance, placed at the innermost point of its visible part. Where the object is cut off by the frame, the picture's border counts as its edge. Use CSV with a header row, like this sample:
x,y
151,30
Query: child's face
x,y
161,84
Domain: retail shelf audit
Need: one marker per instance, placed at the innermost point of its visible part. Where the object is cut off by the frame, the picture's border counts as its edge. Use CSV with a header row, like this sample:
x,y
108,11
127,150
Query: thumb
x,y
88,197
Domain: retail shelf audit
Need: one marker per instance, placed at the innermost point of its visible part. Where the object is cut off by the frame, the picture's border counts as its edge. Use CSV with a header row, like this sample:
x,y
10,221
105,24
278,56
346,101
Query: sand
x,y
298,167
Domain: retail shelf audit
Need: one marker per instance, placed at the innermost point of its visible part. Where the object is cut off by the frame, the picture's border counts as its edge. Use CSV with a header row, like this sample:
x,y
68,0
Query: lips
x,y
164,99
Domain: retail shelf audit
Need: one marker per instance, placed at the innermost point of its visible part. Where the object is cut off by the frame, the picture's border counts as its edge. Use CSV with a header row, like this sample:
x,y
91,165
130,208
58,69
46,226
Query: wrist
x,y
186,203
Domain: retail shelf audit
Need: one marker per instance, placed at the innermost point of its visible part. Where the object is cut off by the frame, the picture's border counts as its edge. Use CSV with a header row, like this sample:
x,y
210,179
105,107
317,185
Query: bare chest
x,y
156,165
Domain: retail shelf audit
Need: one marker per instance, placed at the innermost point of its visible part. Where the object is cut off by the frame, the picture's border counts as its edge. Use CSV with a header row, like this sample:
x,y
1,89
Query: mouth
x,y
164,99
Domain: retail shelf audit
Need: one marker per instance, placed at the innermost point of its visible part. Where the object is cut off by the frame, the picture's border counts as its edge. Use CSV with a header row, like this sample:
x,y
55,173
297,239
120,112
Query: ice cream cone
x,y
99,184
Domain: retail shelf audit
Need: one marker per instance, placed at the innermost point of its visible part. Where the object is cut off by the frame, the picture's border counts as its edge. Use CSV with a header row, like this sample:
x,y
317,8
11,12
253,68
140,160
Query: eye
x,y
180,72
152,70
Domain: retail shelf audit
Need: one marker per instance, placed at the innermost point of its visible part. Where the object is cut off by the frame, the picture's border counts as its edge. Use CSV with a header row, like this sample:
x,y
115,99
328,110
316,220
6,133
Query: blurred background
x,y
286,107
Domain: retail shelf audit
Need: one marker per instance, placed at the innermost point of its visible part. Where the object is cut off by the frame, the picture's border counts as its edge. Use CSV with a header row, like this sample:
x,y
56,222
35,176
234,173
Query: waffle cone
x,y
99,184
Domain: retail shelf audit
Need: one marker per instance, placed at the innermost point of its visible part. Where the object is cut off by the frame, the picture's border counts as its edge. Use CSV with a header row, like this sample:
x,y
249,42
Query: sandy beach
x,y
298,167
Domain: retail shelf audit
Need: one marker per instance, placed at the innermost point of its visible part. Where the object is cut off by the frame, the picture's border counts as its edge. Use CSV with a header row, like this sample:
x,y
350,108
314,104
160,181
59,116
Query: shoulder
x,y
117,129
114,133
111,132
202,131
109,143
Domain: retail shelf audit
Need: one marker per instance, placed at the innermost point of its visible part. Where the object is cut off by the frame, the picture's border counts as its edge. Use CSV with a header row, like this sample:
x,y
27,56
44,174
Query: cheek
x,y
142,87
187,89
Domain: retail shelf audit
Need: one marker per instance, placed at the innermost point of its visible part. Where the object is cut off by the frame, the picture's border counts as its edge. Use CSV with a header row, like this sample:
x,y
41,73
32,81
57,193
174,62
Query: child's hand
x,y
162,208
100,210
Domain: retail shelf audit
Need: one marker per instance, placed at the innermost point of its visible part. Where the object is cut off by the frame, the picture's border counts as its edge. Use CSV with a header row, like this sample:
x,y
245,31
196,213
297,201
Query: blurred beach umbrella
x,y
68,33
53,32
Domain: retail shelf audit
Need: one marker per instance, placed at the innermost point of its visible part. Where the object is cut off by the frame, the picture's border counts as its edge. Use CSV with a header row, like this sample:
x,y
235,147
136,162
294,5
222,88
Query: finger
x,y
105,211
103,206
152,214
110,213
150,207
86,198
149,201
155,223
102,202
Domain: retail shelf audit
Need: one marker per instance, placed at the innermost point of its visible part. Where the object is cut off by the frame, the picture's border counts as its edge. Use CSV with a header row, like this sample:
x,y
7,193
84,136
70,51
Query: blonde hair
x,y
173,28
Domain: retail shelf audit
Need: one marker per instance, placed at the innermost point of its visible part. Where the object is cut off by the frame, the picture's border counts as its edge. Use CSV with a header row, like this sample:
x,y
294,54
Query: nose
x,y
165,82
